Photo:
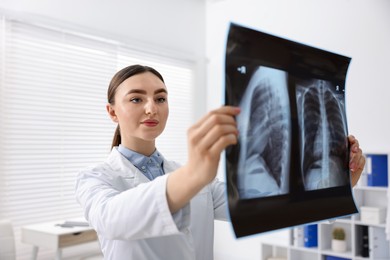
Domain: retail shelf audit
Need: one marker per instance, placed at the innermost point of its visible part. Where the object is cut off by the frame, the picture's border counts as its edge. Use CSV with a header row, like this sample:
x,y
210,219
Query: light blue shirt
x,y
151,167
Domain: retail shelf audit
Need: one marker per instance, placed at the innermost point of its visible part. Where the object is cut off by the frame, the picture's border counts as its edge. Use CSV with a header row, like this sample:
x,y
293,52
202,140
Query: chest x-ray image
x,y
290,165
265,135
322,132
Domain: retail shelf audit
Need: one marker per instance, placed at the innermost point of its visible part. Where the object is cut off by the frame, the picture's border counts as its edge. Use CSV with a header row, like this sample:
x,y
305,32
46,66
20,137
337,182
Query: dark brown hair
x,y
118,78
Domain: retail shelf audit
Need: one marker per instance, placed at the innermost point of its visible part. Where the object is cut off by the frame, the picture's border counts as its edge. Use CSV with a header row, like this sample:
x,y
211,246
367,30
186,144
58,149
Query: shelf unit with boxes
x,y
365,232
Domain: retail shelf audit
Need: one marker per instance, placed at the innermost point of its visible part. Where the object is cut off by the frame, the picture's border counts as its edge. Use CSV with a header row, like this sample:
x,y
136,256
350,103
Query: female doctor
x,y
144,206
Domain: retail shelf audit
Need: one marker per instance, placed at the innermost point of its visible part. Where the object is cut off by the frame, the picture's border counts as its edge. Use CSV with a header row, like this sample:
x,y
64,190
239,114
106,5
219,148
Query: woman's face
x,y
141,109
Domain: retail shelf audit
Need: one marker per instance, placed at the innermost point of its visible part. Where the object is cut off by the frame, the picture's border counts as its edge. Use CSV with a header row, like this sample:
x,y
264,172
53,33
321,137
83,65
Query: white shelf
x,y
371,188
379,247
370,224
305,249
347,254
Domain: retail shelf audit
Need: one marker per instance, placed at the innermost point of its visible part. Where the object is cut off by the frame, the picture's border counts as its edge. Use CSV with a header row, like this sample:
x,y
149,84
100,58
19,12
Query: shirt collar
x,y
138,159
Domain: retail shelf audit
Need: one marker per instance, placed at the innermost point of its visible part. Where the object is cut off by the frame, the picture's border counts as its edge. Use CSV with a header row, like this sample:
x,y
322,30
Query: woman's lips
x,y
150,122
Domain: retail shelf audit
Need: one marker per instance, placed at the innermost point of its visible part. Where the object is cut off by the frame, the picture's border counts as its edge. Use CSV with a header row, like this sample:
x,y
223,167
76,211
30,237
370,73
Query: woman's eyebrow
x,y
160,90
141,91
138,91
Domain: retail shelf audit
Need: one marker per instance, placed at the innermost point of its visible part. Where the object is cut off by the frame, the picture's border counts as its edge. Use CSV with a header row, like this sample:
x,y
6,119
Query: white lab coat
x,y
131,216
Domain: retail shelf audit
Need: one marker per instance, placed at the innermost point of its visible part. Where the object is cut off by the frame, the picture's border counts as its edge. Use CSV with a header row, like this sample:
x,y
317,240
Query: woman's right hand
x,y
208,138
206,141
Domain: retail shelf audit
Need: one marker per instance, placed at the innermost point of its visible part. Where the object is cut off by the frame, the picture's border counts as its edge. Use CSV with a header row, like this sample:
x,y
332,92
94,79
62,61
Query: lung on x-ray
x,y
290,165
265,137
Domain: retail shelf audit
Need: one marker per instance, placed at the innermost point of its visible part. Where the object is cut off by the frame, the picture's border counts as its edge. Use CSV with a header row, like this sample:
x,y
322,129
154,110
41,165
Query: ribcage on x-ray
x,y
336,124
266,118
324,137
312,115
264,125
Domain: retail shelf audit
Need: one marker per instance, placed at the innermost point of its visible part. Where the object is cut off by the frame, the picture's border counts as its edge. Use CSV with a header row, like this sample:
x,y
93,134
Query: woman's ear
x,y
111,112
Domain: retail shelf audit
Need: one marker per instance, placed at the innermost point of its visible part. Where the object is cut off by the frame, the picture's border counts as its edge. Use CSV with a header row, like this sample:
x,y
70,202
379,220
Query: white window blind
x,y
53,86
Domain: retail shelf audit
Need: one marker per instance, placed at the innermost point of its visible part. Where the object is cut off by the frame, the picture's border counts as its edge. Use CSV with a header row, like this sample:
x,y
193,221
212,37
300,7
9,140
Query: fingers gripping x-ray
x,y
264,127
323,136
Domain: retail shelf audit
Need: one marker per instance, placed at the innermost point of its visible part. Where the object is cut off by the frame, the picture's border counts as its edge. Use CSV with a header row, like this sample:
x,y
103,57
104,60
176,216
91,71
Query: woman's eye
x,y
161,100
135,100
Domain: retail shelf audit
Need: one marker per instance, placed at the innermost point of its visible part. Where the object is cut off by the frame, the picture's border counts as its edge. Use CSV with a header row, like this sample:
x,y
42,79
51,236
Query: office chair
x,y
7,240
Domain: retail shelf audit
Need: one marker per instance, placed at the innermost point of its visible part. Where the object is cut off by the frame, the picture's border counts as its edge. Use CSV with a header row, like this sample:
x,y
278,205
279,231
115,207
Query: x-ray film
x,y
290,165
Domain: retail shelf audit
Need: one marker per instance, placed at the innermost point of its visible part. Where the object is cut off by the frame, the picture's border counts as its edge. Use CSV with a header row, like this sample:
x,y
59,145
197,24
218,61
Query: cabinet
x,y
357,228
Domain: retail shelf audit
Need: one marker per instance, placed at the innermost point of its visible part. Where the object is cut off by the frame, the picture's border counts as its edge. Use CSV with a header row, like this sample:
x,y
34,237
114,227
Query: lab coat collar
x,y
125,168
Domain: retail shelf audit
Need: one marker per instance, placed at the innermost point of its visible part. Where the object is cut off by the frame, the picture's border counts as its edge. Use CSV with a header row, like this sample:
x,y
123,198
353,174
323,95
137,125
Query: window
x,y
53,85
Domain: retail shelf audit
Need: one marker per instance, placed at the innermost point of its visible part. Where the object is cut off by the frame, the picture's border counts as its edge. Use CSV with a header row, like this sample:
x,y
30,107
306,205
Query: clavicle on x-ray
x,y
290,165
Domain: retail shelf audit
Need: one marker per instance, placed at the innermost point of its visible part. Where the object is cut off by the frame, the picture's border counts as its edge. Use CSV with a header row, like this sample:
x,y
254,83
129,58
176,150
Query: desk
x,y
51,235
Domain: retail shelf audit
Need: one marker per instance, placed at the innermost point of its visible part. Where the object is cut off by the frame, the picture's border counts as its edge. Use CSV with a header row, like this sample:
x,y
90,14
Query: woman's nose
x,y
150,108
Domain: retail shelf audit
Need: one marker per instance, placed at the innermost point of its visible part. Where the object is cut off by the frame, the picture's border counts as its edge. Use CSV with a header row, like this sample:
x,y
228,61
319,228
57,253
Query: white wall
x,y
176,26
359,29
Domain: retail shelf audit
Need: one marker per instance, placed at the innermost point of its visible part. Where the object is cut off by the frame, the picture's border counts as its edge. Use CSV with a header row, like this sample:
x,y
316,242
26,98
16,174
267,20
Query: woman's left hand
x,y
357,160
